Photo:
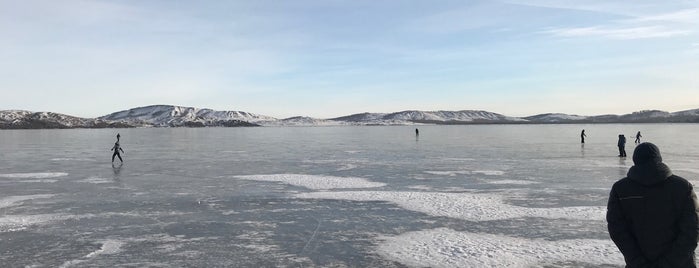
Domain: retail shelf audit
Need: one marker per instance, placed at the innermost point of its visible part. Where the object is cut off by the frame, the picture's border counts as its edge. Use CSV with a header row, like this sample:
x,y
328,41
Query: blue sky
x,y
328,58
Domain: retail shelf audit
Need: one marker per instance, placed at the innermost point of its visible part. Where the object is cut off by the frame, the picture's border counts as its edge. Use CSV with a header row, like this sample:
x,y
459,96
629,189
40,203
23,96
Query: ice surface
x,y
73,159
41,175
315,182
444,247
526,193
466,206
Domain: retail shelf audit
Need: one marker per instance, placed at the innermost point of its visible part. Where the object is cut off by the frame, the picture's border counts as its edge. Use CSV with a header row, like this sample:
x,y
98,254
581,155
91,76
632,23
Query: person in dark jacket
x,y
582,136
116,149
638,137
653,215
622,145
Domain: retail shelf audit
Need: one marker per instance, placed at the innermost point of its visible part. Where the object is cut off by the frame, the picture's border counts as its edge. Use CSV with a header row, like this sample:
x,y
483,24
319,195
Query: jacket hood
x,y
646,153
648,166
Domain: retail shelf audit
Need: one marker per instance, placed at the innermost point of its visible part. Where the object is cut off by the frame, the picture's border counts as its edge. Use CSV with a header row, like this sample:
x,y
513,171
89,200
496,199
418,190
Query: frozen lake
x,y
456,196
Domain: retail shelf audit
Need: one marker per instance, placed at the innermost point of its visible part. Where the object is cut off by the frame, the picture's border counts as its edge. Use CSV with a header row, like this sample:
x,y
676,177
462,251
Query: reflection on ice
x,y
448,248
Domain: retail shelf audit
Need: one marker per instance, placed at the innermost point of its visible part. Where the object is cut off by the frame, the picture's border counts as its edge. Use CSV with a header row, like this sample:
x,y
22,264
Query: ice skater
x,y
582,136
118,136
116,149
622,145
638,137
417,132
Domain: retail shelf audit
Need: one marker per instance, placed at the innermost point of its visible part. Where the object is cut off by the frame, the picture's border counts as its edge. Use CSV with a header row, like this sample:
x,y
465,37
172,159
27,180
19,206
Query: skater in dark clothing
x,y
118,136
116,149
622,145
652,215
582,136
638,137
417,132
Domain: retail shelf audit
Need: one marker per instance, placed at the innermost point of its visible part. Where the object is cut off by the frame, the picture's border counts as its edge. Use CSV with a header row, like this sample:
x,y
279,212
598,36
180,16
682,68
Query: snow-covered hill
x,y
178,116
17,119
428,117
175,116
301,121
694,112
554,118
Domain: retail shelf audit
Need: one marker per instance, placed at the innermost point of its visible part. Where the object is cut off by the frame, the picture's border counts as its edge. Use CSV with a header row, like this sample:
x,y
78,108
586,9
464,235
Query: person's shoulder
x,y
678,181
621,183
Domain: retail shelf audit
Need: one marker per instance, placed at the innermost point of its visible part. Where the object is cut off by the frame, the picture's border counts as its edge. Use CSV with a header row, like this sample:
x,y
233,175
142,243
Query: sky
x,y
330,58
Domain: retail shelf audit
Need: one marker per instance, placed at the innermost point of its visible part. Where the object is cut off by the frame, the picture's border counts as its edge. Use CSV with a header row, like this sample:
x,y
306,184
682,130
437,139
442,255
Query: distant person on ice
x,y
118,136
622,145
417,132
652,215
638,137
582,136
116,149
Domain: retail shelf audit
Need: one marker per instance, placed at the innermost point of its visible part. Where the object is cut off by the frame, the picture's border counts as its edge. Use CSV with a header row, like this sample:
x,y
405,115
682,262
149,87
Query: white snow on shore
x,y
448,248
315,182
466,206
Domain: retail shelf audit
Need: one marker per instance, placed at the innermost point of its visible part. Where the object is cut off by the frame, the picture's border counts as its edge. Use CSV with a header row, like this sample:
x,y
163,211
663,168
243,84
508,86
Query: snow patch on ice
x,y
41,175
108,247
466,206
514,182
96,180
452,173
315,182
448,173
13,223
38,181
448,248
490,172
13,200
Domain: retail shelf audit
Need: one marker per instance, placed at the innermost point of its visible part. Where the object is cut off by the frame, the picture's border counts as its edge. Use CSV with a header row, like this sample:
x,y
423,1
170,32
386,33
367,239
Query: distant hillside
x,y
178,116
14,119
428,117
647,116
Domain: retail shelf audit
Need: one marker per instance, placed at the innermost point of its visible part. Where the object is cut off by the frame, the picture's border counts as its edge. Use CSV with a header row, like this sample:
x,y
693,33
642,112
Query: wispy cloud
x,y
689,16
627,33
640,19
